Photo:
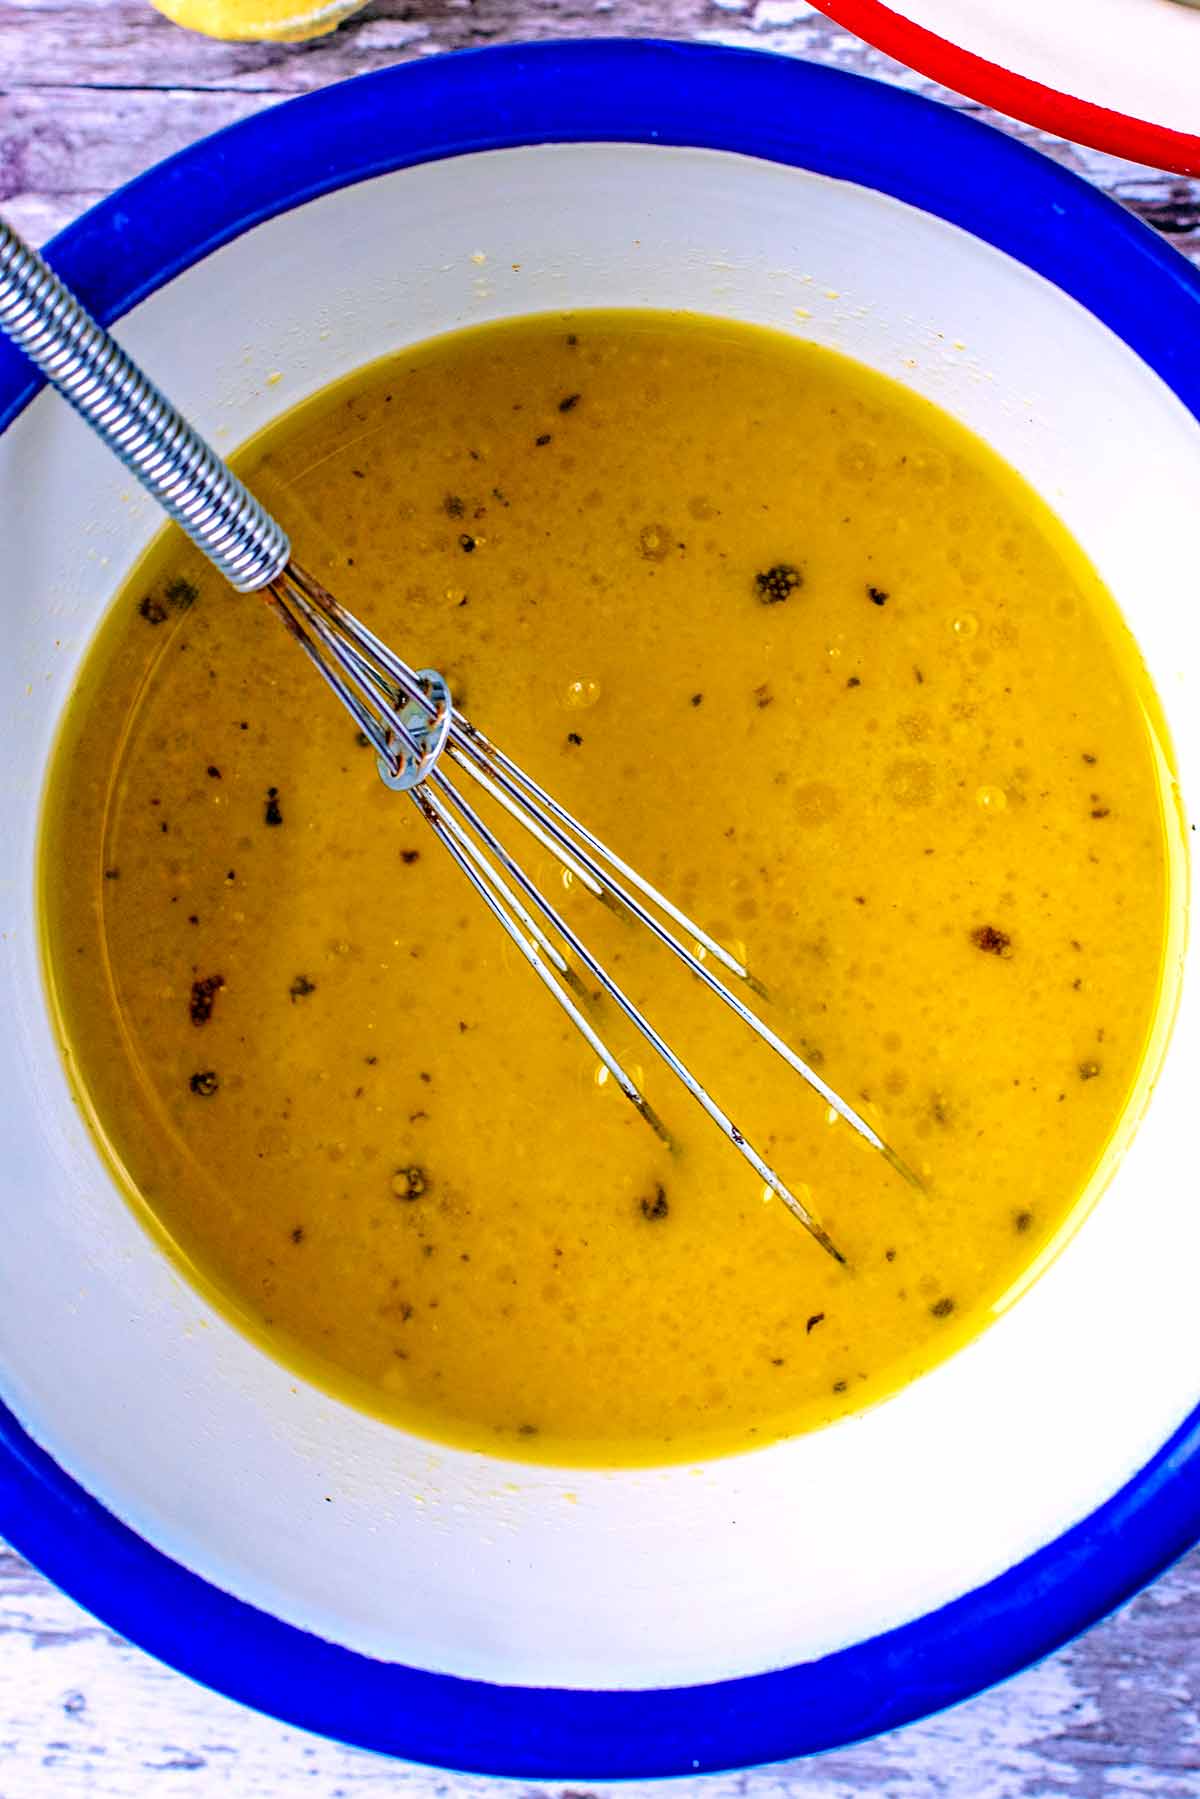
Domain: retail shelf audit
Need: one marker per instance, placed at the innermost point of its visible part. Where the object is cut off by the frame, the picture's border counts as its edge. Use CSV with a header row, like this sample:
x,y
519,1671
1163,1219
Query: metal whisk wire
x,y
406,715
337,640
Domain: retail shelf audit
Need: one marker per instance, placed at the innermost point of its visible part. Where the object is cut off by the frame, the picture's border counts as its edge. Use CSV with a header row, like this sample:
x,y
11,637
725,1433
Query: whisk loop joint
x,y
423,737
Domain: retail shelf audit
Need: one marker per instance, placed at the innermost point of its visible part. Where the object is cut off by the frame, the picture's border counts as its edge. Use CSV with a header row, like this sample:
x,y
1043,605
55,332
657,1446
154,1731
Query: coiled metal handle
x,y
138,423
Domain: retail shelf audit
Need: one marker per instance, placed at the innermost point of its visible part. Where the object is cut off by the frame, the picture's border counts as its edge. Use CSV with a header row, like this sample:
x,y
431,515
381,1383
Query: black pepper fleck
x,y
656,1207
779,582
409,1183
181,593
203,997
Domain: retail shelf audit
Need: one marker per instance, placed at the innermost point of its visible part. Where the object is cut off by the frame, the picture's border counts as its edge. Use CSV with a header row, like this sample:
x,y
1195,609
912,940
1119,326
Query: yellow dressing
x,y
812,659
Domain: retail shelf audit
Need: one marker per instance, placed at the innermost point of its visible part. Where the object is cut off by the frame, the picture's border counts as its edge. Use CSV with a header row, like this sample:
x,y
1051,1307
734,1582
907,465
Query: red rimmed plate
x,y
1121,75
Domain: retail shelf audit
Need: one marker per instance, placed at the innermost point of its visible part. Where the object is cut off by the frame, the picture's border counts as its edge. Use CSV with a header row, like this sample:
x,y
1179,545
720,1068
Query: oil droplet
x,y
816,803
832,1115
911,781
654,542
965,625
929,466
991,799
580,695
567,877
858,461
601,1076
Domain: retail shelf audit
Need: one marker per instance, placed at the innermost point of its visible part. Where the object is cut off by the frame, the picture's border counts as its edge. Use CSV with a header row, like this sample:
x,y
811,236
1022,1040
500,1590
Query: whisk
x,y
406,715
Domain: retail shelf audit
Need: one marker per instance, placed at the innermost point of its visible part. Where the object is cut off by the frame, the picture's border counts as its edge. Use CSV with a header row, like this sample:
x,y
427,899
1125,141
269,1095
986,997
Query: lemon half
x,y
242,21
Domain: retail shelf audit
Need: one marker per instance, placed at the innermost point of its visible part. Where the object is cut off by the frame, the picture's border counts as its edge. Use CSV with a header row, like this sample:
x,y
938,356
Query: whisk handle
x,y
138,423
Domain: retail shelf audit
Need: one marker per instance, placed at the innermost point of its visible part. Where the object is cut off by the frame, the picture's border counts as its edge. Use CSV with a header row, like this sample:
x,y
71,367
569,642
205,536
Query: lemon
x,y
282,21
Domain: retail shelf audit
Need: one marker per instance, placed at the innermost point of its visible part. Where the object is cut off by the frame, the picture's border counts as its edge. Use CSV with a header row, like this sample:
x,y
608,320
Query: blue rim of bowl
x,y
618,91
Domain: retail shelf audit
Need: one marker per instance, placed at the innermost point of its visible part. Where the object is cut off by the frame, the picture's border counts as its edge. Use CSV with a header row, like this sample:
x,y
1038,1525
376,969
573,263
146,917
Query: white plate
x,y
1123,75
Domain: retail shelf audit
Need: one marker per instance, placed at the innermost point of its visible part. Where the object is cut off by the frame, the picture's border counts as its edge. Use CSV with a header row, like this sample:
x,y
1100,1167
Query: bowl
x,y
450,1607
1120,75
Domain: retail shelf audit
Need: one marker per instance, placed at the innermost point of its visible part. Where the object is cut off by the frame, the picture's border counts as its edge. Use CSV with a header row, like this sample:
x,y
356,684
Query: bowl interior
x,y
461,1563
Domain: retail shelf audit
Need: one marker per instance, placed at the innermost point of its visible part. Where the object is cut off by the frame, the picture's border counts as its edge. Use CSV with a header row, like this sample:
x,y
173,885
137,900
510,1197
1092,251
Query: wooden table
x,y
91,92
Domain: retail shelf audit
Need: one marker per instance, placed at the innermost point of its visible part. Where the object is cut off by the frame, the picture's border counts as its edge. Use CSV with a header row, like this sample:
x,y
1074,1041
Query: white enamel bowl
x,y
447,1606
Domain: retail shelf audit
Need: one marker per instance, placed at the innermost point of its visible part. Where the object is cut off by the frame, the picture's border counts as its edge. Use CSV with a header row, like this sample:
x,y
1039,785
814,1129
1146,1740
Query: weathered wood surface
x,y
91,92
